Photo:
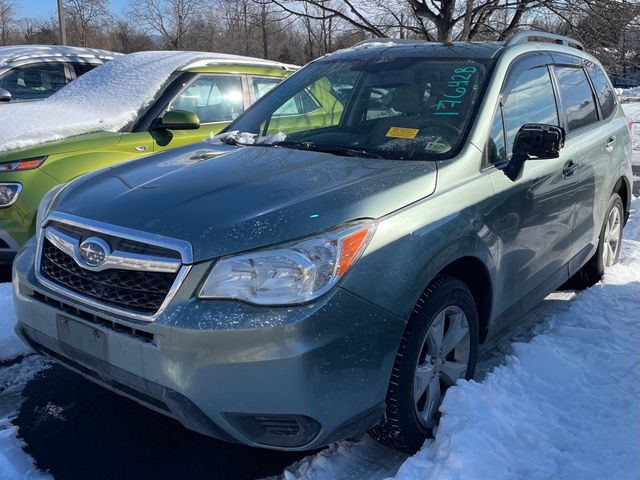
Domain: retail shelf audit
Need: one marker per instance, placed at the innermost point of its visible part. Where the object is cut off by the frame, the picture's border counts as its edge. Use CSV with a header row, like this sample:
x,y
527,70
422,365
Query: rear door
x,y
531,217
589,103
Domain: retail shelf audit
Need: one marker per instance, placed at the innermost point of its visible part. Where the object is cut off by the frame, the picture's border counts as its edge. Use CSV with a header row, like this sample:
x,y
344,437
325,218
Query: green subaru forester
x,y
306,278
200,95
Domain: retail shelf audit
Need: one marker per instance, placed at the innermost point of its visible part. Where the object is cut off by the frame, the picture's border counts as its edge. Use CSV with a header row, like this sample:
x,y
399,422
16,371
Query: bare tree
x,y
84,17
439,20
126,38
172,19
610,29
7,19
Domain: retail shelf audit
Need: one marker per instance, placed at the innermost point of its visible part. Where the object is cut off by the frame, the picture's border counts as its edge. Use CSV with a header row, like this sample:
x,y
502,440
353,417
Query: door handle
x,y
569,169
610,143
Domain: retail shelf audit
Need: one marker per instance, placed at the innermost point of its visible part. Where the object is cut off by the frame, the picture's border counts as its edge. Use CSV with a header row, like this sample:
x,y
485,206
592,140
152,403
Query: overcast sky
x,y
47,8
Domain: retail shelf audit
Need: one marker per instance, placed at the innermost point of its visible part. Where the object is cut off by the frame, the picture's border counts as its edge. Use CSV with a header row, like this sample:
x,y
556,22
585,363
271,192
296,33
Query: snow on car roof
x,y
24,52
105,99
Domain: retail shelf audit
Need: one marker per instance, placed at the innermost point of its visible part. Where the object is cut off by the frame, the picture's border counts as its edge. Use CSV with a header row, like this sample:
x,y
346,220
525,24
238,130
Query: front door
x,y
531,217
216,99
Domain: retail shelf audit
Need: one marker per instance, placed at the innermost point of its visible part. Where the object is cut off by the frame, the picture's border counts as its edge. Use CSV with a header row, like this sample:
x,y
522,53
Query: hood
x,y
225,200
89,141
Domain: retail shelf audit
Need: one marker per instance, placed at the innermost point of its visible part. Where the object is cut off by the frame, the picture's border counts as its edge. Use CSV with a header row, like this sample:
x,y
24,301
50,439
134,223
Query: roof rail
x,y
392,41
528,35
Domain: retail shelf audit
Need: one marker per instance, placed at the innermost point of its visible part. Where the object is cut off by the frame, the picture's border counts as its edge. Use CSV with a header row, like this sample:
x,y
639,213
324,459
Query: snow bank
x,y
625,93
564,406
105,99
363,460
10,345
633,110
15,464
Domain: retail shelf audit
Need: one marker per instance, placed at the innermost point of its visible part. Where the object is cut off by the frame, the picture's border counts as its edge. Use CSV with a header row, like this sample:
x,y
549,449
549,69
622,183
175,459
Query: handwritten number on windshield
x,y
456,91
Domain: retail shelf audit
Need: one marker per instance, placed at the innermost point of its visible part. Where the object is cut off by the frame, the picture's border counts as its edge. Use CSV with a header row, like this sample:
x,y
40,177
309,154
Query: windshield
x,y
412,108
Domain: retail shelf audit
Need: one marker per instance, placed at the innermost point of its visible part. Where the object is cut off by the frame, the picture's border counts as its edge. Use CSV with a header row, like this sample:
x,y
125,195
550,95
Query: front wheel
x,y
438,347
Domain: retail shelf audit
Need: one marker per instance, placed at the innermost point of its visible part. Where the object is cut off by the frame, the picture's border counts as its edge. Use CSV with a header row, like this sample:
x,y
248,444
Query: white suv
x,y
33,72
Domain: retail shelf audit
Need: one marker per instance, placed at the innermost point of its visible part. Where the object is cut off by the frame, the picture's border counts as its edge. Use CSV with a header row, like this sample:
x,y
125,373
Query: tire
x,y
605,255
405,427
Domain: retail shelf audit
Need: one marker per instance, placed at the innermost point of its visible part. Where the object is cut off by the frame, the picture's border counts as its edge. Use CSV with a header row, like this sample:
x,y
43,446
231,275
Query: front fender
x,y
411,246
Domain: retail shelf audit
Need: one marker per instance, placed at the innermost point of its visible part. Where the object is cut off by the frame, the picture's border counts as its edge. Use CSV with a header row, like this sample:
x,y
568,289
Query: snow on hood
x,y
105,99
236,137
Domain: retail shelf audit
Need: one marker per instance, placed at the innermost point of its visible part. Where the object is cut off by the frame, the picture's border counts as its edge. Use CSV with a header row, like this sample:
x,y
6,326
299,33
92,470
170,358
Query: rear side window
x,y
82,68
577,97
604,92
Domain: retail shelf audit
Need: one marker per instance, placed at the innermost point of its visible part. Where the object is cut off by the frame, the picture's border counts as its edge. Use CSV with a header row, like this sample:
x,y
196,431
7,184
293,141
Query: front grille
x,y
117,243
139,291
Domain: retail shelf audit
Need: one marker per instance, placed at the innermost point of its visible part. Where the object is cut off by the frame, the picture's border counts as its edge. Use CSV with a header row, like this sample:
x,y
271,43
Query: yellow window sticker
x,y
399,132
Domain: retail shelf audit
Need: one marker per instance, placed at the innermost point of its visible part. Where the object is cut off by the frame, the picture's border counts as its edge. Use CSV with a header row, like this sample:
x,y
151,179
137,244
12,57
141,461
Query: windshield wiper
x,y
334,149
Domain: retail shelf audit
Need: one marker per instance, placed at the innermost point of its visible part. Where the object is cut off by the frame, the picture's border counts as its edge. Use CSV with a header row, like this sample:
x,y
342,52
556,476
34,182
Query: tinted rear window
x,y
577,97
82,68
603,89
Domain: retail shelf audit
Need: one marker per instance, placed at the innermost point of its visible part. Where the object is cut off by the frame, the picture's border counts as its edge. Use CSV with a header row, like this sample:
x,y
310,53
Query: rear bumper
x,y
291,379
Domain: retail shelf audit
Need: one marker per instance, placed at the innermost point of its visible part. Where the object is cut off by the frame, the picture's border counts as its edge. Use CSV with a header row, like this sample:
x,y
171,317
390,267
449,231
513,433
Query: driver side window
x,y
529,98
212,98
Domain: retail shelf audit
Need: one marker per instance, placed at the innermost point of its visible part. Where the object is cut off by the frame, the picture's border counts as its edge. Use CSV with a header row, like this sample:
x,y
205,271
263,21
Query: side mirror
x,y
179,120
5,96
534,141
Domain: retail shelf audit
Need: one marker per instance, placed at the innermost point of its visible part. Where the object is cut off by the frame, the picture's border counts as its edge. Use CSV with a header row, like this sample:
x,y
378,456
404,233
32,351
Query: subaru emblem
x,y
94,251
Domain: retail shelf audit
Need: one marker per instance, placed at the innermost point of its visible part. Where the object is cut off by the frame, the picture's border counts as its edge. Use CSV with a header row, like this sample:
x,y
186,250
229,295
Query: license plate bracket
x,y
75,335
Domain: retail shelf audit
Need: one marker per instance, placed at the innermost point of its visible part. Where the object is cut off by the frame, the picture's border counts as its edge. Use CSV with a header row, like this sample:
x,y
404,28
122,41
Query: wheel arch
x,y
471,271
622,188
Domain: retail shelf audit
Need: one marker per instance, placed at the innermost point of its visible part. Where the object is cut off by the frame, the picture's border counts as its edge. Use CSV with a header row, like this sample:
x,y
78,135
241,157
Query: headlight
x,y
20,165
9,193
292,273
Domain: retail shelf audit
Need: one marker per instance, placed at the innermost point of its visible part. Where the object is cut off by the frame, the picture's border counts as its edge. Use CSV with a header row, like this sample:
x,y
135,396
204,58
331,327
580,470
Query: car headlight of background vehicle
x,y
292,273
21,165
9,193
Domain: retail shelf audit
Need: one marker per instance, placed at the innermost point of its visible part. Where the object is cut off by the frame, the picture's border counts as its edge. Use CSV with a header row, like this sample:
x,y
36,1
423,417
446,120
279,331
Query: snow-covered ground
x,y
633,110
16,370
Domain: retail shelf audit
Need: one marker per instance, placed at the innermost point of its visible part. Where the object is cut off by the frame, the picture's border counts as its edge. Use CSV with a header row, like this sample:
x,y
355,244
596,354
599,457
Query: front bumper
x,y
8,247
287,378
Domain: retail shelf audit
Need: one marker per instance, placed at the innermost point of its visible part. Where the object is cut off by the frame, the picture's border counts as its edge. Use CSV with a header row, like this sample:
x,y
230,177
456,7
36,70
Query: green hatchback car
x,y
307,278
196,99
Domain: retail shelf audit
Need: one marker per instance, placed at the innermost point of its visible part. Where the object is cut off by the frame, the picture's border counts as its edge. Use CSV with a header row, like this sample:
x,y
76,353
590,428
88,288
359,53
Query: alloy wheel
x,y
612,237
444,358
